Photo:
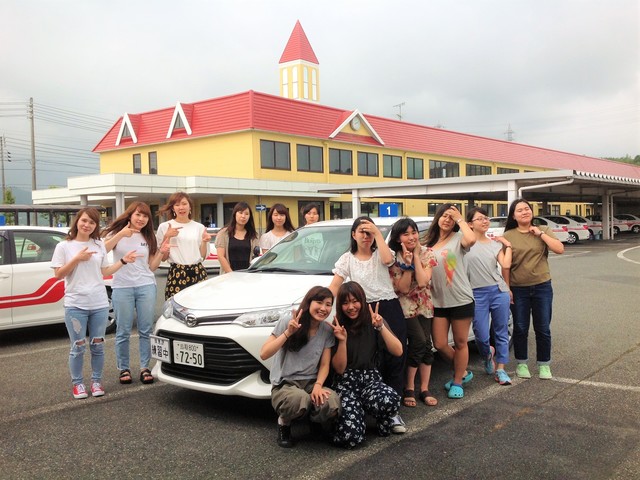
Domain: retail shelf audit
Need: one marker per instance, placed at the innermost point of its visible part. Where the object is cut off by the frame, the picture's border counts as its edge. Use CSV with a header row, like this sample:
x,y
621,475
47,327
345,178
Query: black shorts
x,y
456,313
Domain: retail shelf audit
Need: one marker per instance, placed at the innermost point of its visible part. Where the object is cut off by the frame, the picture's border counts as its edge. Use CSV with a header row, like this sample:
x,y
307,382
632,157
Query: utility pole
x,y
4,185
509,133
33,147
399,107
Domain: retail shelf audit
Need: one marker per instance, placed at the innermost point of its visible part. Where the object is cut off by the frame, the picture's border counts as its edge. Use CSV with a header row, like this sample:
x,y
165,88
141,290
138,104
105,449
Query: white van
x,y
209,335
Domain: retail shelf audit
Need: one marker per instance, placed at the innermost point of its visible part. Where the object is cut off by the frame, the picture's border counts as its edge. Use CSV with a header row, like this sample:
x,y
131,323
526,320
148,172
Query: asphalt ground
x,y
583,424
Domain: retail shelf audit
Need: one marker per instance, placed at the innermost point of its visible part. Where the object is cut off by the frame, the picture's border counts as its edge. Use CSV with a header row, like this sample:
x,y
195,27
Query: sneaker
x,y
96,389
522,371
502,378
284,436
397,425
490,363
545,372
80,391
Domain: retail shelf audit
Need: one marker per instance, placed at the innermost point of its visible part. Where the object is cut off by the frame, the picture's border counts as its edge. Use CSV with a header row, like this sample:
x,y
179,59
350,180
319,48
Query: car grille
x,y
225,362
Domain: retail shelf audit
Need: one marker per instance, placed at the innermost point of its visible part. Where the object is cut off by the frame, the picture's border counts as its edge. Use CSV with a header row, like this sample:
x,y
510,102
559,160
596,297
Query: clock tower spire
x,y
299,68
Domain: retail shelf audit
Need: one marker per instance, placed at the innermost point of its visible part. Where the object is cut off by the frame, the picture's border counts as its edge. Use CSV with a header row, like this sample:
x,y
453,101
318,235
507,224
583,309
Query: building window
x,y
502,170
554,209
367,164
369,208
473,170
503,210
137,163
439,169
340,161
314,85
309,158
415,168
294,82
340,210
305,82
275,155
488,207
153,163
392,166
125,131
432,208
179,123
285,83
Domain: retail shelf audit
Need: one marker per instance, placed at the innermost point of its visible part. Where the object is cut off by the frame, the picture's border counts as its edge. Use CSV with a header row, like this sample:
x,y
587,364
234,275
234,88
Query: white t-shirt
x,y
185,249
84,286
372,275
138,273
269,239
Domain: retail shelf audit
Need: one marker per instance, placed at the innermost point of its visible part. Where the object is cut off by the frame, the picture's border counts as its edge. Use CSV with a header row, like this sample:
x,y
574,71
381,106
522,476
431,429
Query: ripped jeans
x,y
77,322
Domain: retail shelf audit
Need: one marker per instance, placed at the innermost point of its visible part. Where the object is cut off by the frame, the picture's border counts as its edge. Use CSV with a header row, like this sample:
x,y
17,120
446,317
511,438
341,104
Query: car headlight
x,y
264,318
167,309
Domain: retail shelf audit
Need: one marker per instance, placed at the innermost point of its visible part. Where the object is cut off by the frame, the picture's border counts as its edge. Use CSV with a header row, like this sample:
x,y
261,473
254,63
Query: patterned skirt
x,y
183,276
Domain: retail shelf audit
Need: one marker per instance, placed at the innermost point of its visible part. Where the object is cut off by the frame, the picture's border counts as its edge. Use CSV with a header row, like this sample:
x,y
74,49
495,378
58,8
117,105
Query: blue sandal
x,y
455,391
466,379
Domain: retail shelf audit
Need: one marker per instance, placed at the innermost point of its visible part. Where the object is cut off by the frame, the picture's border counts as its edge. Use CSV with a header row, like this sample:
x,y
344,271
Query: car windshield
x,y
309,251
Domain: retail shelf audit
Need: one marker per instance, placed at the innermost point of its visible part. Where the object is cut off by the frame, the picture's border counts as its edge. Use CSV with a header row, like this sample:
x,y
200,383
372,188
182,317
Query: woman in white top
x,y
367,263
82,261
278,226
134,286
188,244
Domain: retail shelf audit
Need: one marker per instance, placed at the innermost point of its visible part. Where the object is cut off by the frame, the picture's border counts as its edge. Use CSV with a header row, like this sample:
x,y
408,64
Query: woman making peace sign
x,y
358,328
302,348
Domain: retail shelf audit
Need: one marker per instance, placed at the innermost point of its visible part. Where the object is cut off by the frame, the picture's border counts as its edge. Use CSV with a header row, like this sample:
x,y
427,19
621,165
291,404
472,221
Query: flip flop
x,y
455,392
466,379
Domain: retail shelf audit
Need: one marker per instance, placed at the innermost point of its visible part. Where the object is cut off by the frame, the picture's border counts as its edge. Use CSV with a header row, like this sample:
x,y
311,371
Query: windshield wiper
x,y
283,270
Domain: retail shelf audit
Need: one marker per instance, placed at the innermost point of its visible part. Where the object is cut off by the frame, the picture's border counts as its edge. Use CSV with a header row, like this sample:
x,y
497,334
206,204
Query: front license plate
x,y
160,348
187,353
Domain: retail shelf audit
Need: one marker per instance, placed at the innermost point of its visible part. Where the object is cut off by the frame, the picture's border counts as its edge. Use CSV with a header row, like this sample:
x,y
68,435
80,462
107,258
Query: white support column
x,y
220,212
119,204
512,192
84,200
607,227
355,203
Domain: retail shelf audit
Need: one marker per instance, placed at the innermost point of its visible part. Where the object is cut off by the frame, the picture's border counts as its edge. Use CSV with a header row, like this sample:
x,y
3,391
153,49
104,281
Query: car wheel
x,y
573,238
111,321
635,229
616,230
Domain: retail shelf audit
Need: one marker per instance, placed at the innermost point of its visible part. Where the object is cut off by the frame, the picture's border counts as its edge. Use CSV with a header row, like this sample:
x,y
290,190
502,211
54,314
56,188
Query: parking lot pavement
x,y
583,424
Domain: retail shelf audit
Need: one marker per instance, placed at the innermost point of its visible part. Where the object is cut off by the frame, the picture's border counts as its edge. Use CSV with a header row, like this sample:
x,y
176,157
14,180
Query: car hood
x,y
239,292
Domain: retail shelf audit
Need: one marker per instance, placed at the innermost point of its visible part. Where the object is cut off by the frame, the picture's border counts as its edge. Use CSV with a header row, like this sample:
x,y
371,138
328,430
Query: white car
x,y
211,262
577,230
560,231
618,225
632,221
30,295
594,227
209,335
496,227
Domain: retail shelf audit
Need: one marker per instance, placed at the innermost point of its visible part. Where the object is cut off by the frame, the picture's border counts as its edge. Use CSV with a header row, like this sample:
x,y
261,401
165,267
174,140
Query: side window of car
x,y
3,245
36,246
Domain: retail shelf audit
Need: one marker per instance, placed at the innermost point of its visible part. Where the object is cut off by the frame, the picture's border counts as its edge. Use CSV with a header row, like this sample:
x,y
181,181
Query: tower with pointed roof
x,y
299,68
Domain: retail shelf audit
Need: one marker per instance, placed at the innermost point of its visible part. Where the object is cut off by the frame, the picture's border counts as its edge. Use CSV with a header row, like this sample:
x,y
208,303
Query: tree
x,y
9,199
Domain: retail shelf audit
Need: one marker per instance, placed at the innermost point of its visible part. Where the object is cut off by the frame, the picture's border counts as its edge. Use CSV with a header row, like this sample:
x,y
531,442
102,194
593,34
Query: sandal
x,y
428,399
466,379
456,391
408,398
125,376
145,376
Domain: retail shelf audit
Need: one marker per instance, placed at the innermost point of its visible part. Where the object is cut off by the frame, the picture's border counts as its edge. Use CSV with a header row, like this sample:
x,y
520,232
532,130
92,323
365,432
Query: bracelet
x,y
378,328
318,383
541,233
285,334
459,220
122,261
508,246
405,267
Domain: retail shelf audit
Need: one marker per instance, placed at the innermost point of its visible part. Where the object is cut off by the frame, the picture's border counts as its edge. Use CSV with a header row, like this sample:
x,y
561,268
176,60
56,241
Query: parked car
x,y
618,225
211,262
560,231
594,227
30,295
209,335
496,226
632,221
577,230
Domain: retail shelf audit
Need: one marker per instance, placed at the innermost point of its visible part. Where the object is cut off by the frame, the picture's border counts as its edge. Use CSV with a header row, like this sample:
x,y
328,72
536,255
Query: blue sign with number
x,y
388,209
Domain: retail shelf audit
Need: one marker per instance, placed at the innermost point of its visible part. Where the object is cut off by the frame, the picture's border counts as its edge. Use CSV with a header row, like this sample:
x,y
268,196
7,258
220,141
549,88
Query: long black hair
x,y
282,210
355,290
300,338
354,227
250,227
511,221
397,230
433,234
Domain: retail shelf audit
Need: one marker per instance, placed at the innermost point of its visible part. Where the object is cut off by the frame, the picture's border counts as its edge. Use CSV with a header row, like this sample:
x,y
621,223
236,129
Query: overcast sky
x,y
565,74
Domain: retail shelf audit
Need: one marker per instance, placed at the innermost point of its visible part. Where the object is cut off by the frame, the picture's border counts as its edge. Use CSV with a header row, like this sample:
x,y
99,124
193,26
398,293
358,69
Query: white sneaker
x,y
397,425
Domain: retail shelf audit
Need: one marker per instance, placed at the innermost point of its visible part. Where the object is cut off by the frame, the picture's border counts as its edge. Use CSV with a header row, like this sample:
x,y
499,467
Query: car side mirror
x,y
257,252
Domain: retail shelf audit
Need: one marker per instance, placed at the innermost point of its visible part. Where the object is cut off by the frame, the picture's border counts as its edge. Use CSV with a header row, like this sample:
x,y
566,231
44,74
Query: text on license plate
x,y
188,353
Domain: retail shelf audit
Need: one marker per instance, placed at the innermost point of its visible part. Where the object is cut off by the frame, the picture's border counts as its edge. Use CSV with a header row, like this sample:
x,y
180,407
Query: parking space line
x,y
622,257
614,386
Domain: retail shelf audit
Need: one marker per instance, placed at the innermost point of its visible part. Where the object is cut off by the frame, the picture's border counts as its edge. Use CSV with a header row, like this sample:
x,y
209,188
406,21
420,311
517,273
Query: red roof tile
x,y
270,113
298,47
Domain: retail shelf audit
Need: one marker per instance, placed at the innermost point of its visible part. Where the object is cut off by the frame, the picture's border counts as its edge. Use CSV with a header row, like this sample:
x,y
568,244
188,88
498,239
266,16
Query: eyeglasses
x,y
481,219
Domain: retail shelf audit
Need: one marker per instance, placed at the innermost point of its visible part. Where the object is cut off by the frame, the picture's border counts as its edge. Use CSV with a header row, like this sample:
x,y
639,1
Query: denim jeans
x,y
491,300
535,301
142,300
77,321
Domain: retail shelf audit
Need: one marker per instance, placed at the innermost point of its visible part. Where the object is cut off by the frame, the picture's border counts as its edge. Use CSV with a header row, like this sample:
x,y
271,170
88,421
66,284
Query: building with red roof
x,y
263,149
